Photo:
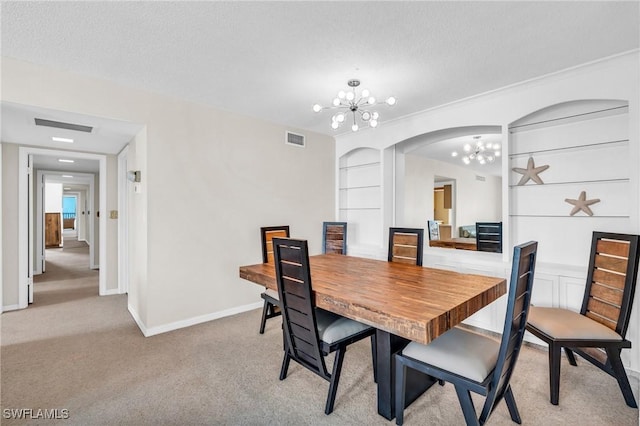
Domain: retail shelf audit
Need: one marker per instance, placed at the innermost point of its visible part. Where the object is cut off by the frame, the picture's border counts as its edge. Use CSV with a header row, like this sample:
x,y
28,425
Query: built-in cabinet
x,y
52,230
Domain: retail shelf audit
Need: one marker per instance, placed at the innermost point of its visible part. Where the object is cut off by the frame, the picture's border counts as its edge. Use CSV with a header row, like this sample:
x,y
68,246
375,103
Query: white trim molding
x,y
148,332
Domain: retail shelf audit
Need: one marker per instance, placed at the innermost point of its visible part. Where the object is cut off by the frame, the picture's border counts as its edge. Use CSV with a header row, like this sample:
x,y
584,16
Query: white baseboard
x,y
8,308
193,321
110,292
137,319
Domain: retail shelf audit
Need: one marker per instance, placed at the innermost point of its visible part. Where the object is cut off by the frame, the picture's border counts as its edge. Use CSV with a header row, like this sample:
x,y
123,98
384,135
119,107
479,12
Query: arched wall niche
x,y
585,144
424,162
360,198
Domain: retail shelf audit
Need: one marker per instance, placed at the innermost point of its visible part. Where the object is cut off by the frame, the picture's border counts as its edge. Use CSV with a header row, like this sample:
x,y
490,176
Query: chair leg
x,y
335,378
265,310
554,372
374,357
401,371
285,365
571,357
511,405
621,376
466,403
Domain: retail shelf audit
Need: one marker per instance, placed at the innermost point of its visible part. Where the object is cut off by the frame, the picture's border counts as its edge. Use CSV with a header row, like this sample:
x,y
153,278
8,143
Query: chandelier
x,y
359,106
481,152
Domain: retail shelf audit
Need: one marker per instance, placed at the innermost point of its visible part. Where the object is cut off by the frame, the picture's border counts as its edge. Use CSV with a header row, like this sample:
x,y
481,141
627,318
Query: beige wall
x,y
9,225
210,179
475,201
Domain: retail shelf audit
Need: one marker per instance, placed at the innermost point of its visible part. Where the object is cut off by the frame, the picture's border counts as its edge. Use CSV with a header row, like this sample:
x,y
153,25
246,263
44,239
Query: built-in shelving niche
x,y
360,199
586,146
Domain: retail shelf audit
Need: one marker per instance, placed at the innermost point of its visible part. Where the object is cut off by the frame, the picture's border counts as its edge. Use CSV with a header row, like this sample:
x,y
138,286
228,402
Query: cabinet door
x,y
52,230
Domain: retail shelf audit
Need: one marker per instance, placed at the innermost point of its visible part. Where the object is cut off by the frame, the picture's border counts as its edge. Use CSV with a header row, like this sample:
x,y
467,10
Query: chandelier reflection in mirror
x,y
359,106
481,152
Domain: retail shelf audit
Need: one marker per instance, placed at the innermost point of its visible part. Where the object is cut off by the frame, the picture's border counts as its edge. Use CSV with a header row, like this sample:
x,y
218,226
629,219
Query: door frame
x,y
54,176
25,255
123,221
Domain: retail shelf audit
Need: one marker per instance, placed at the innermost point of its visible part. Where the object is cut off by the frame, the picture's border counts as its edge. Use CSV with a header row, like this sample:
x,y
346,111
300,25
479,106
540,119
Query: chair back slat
x,y
406,245
293,276
334,237
611,279
518,302
267,234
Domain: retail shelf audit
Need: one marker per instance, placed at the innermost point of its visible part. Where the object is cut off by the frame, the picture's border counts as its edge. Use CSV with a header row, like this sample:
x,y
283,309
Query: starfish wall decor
x,y
582,204
530,173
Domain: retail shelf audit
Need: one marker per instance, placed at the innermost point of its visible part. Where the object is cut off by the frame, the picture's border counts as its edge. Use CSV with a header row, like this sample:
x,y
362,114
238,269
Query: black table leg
x,y
387,346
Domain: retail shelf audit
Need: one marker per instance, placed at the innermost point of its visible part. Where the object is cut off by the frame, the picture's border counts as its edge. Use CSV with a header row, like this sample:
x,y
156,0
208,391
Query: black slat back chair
x,y
473,362
310,333
271,306
334,237
405,245
598,332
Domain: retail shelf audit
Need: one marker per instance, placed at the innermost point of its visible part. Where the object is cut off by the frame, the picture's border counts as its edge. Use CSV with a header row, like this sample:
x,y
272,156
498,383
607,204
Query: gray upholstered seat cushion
x,y
272,293
565,324
459,351
333,327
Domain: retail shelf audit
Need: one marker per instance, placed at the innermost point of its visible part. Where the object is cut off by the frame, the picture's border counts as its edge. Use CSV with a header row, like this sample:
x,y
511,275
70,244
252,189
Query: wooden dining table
x,y
403,302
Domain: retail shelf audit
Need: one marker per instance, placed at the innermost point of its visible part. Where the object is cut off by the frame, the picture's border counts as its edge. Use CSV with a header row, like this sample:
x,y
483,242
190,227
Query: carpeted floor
x,y
75,350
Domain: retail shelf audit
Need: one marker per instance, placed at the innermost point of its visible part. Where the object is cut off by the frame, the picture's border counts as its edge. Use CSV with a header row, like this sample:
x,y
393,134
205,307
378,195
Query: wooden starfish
x,y
530,173
582,204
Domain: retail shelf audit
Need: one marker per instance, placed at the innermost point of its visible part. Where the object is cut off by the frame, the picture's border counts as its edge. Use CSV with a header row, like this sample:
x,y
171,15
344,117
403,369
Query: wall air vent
x,y
294,139
481,178
61,125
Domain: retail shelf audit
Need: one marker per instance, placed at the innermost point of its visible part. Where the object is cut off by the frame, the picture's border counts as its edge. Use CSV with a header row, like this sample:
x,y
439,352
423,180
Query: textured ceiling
x,y
273,60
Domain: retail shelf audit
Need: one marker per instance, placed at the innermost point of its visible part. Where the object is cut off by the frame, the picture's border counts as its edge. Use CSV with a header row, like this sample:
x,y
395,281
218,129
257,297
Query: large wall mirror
x,y
450,181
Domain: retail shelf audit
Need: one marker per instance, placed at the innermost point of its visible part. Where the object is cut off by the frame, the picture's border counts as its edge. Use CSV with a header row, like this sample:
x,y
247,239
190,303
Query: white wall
x,y
210,179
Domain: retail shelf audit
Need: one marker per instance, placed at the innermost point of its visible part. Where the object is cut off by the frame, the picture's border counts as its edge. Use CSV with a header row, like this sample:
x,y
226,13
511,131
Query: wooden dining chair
x,y
596,333
271,306
474,362
334,237
405,245
310,333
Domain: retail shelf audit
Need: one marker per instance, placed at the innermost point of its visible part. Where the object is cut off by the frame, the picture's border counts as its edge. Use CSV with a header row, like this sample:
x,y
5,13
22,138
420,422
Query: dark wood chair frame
x,y
496,386
417,231
271,306
611,363
325,226
302,341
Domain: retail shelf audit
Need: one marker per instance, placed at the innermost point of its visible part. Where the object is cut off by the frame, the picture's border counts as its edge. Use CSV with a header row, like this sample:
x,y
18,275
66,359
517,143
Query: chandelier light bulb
x,y
490,158
454,154
497,153
353,105
467,148
466,160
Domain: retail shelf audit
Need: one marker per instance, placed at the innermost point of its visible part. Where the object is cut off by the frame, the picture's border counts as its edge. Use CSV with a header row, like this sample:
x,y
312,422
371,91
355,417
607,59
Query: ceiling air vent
x,y
61,125
294,139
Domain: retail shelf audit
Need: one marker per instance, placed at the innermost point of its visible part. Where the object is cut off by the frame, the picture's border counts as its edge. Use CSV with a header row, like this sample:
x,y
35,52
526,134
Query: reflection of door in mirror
x,y
442,209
